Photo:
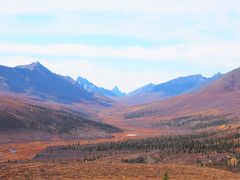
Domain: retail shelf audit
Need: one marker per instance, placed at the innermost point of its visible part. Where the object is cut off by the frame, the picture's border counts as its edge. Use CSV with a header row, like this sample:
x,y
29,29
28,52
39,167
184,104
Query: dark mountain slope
x,y
37,80
35,121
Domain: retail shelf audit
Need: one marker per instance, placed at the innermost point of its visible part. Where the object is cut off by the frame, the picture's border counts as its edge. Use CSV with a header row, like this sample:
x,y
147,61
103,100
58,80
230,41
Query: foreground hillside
x,y
108,170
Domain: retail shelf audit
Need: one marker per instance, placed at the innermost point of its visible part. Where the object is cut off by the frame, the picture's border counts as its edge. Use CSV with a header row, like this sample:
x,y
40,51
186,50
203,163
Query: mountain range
x,y
35,79
172,88
177,86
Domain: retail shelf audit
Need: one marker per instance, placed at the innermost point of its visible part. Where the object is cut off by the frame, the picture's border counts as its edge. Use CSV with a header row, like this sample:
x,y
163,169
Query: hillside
x,y
110,170
21,120
221,96
230,83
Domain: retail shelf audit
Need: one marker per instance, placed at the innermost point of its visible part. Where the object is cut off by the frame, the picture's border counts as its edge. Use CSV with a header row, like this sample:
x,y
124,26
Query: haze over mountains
x,y
35,79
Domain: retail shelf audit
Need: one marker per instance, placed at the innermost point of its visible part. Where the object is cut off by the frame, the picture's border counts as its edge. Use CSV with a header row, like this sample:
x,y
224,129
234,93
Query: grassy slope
x,y
105,170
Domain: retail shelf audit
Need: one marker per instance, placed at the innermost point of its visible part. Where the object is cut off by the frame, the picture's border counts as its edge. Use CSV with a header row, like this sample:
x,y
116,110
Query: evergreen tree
x,y
165,176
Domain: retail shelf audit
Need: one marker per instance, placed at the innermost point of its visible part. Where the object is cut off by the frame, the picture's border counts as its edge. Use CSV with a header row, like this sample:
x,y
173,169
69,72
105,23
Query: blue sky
x,y
128,43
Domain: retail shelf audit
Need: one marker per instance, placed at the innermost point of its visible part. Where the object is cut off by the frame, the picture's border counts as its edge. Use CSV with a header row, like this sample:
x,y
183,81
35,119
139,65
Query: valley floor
x,y
26,150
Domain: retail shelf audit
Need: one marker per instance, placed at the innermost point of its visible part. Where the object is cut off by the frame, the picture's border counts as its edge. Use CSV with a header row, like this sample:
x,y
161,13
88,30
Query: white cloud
x,y
13,61
214,55
128,6
160,20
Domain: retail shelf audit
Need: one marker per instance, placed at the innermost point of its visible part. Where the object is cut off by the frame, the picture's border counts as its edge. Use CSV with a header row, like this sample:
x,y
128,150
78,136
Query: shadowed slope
x,y
35,79
20,119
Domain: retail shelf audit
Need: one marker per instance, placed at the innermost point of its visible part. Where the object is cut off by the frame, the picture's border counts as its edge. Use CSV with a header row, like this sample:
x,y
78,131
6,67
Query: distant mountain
x,y
144,89
183,85
175,87
35,79
92,88
117,91
69,79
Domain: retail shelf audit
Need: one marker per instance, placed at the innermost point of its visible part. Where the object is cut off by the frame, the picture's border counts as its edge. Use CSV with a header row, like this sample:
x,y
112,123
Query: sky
x,y
128,43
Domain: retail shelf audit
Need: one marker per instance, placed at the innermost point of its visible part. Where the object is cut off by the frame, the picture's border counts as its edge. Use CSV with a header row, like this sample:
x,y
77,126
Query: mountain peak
x,y
143,89
229,82
92,88
218,75
117,91
84,83
81,80
32,66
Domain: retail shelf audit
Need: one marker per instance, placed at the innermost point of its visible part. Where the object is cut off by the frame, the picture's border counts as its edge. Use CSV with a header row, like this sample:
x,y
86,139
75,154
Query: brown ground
x,y
28,150
92,170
